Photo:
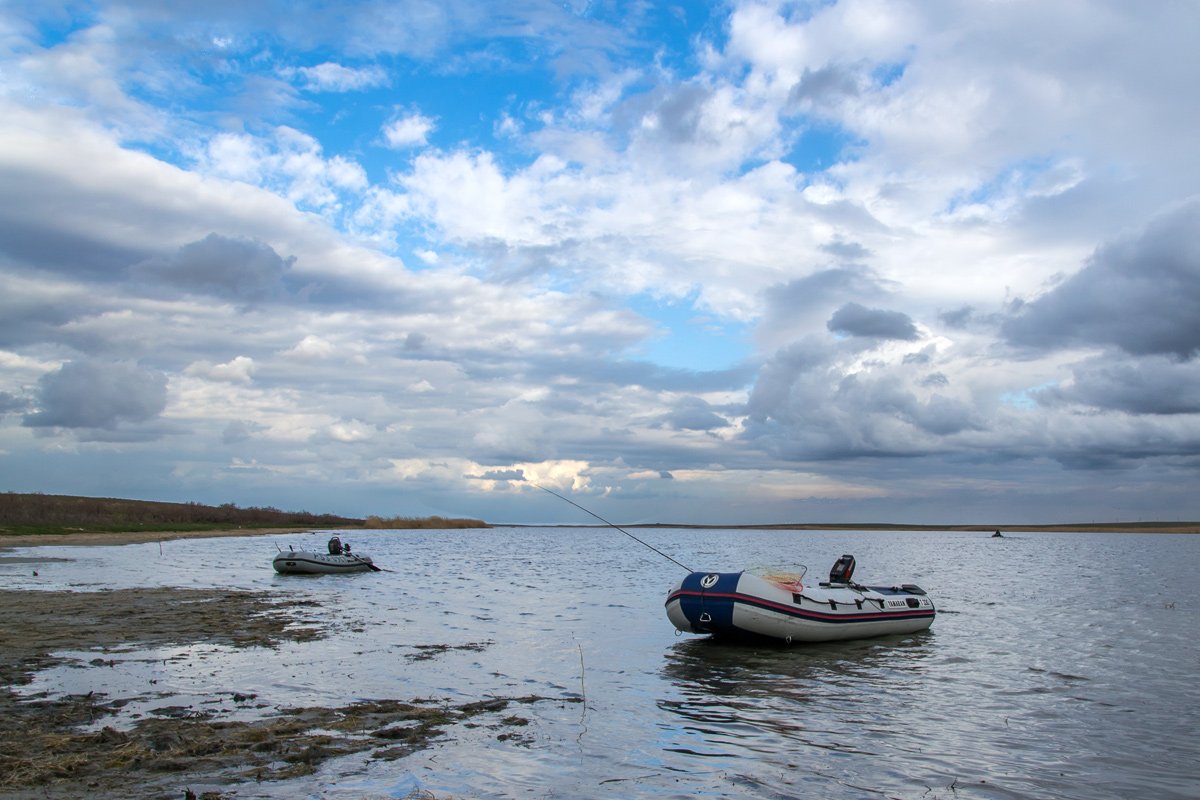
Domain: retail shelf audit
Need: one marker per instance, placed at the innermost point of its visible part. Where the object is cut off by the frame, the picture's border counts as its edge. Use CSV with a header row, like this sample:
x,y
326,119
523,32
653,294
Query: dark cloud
x,y
958,318
238,431
46,246
149,432
681,112
884,397
10,403
923,357
89,394
695,414
790,364
500,475
31,321
602,375
853,319
796,307
1122,454
801,408
1155,385
826,87
1141,295
847,251
243,270
41,315
942,416
820,288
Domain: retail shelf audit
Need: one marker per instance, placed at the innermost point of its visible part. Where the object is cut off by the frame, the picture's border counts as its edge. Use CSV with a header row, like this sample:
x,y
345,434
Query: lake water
x,y
1059,666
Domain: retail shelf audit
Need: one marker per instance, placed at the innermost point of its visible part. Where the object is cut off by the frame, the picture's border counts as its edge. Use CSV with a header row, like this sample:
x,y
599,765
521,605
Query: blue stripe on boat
x,y
702,599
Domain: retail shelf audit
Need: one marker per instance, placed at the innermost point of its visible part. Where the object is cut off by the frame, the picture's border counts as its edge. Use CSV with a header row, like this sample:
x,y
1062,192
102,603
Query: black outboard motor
x,y
843,568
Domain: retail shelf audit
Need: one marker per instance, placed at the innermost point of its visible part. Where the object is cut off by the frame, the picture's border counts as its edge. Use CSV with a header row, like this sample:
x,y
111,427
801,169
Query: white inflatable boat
x,y
305,562
741,604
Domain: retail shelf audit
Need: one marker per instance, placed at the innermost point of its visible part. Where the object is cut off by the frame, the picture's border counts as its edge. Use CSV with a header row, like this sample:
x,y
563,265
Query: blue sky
x,y
738,262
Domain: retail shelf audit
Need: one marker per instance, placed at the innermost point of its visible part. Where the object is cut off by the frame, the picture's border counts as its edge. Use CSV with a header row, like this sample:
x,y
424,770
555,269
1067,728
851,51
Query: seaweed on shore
x,y
292,743
49,747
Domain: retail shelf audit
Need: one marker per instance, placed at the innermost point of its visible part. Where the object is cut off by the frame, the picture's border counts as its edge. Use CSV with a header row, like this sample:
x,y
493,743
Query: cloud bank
x,y
756,262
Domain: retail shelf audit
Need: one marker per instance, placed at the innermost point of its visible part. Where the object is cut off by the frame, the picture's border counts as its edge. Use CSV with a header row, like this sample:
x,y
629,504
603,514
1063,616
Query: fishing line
x,y
611,525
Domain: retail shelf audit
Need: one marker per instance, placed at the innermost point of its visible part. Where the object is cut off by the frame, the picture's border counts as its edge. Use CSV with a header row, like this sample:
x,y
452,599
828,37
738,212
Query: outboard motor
x,y
842,570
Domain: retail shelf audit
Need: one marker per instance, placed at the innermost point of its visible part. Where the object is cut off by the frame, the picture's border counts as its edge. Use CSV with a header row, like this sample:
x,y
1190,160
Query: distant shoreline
x,y
143,537
1089,527
1071,527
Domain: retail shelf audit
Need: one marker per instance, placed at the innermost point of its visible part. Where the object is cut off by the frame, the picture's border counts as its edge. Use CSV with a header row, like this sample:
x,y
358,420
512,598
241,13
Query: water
x,y
1060,665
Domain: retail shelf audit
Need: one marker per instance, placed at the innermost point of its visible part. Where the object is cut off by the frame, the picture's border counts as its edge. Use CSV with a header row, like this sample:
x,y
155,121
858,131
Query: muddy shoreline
x,y
55,746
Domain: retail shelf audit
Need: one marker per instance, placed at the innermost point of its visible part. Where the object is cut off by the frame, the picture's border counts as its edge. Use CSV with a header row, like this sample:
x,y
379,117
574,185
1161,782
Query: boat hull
x,y
739,604
300,562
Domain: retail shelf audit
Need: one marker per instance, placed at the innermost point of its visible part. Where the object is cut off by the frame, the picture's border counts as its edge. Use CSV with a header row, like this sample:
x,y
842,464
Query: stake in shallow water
x,y
612,525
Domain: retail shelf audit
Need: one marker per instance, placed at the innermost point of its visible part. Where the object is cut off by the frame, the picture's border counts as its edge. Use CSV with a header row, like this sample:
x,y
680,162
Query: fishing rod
x,y
611,525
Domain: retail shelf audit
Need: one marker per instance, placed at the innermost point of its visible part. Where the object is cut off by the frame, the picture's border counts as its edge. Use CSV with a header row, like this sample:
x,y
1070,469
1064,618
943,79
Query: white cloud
x,y
331,77
88,71
313,347
411,130
352,430
239,370
289,162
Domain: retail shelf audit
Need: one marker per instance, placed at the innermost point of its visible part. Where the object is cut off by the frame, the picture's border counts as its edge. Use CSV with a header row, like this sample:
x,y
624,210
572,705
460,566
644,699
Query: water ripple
x,y
1042,677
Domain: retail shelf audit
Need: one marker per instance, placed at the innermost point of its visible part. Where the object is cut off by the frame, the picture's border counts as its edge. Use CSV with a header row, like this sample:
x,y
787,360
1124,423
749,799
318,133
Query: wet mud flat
x,y
60,746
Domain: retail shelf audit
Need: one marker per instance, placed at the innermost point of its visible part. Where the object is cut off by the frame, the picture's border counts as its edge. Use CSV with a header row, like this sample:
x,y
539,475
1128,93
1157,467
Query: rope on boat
x,y
612,525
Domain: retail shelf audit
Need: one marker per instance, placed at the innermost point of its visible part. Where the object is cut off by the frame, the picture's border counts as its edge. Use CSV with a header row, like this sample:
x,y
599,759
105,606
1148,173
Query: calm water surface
x,y
1060,665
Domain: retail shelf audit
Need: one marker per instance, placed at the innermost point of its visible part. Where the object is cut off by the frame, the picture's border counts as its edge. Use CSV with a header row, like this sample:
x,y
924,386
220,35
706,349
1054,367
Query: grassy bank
x,y
46,514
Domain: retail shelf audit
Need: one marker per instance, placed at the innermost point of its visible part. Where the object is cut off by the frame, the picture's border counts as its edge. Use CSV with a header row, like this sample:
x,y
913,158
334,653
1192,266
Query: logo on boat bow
x,y
709,581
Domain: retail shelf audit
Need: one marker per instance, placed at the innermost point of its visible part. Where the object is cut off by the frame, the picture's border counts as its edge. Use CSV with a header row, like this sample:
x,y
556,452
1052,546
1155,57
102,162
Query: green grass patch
x,y
37,514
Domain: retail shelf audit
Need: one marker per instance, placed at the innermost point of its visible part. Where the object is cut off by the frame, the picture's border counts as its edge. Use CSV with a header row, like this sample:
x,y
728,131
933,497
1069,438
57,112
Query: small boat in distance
x,y
339,559
744,605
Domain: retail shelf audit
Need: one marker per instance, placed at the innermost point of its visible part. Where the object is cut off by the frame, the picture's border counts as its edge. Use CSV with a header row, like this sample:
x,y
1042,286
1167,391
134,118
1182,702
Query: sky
x,y
853,261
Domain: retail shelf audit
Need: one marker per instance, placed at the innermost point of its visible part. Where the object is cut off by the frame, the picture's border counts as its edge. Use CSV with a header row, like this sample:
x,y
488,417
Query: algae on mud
x,y
49,747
